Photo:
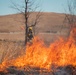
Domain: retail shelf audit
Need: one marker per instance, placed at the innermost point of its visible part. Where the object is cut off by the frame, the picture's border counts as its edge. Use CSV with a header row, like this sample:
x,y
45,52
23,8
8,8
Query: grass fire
x,y
60,53
35,41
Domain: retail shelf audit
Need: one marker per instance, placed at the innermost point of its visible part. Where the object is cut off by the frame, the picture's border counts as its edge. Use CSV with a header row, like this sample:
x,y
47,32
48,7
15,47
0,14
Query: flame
x,y
37,54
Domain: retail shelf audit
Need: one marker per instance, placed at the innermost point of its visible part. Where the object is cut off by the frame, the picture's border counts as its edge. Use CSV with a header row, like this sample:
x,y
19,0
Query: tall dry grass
x,y
10,50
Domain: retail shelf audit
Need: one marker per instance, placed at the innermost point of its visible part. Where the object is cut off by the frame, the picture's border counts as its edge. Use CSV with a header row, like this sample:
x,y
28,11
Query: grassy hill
x,y
50,25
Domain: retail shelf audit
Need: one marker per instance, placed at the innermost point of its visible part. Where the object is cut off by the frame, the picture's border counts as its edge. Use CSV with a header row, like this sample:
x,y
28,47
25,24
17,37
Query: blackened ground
x,y
66,70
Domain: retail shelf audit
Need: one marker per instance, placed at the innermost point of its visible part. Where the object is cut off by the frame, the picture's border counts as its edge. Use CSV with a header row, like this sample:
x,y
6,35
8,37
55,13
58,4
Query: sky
x,y
57,6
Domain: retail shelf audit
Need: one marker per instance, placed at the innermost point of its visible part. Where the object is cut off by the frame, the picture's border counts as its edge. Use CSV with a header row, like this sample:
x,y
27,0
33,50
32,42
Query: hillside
x,y
50,24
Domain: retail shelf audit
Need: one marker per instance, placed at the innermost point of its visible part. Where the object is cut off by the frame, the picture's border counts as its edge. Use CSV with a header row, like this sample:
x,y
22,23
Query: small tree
x,y
26,9
70,18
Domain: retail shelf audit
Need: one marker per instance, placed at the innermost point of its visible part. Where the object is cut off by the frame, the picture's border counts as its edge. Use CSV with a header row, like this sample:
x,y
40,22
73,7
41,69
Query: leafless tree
x,y
29,7
70,18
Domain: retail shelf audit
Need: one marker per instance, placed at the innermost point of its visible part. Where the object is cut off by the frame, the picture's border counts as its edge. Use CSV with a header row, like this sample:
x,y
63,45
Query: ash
x,y
66,70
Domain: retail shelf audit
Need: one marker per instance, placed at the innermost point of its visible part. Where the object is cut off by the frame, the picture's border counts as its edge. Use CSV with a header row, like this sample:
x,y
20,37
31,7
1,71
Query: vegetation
x,y
26,9
10,50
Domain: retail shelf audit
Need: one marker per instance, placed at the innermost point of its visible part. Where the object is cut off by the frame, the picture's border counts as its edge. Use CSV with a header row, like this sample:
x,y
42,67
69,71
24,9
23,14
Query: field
x,y
49,28
49,24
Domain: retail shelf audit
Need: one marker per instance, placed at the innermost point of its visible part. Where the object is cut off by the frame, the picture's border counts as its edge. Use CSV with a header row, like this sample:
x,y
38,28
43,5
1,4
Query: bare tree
x,y
29,7
70,18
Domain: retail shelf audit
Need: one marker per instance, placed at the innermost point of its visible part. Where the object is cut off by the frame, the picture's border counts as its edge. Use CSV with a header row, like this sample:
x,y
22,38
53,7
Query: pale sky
x,y
57,6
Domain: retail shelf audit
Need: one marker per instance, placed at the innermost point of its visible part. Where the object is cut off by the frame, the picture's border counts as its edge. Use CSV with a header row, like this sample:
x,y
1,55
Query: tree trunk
x,y
26,21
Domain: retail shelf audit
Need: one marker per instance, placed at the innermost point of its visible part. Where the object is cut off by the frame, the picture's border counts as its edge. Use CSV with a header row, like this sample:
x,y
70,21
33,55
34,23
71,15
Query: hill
x,y
50,25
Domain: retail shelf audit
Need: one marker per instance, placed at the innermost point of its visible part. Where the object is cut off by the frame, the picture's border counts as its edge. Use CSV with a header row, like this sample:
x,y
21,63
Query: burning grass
x,y
60,53
55,57
9,50
37,54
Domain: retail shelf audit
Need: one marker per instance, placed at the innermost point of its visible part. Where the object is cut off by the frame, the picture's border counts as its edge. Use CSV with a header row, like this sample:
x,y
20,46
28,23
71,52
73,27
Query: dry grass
x,y
49,22
10,50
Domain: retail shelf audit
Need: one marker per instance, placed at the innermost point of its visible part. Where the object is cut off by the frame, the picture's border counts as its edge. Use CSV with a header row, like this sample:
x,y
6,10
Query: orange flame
x,y
37,54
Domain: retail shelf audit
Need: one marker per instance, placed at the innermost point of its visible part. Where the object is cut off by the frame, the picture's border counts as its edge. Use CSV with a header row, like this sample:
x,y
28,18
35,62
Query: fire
x,y
60,53
37,54
73,33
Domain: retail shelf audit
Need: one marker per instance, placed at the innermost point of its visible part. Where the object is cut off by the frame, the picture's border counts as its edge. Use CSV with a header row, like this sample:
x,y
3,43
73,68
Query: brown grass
x,y
49,28
49,22
10,50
